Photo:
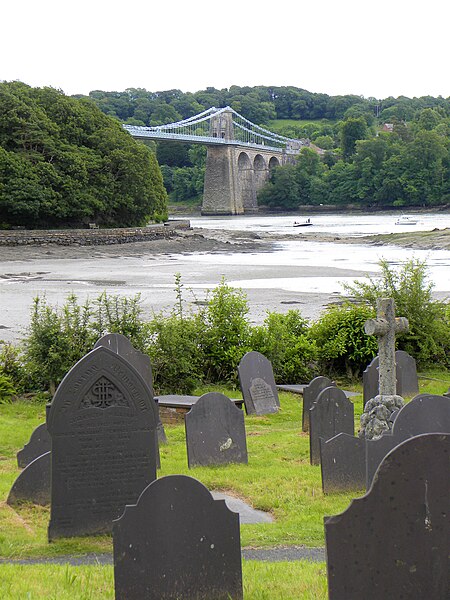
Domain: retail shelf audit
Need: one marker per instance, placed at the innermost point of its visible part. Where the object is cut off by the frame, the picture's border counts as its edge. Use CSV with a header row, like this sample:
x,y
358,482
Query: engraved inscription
x,y
103,394
262,395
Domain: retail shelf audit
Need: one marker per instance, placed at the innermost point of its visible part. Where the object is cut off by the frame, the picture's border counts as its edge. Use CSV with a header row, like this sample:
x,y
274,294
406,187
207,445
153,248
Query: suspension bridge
x,y
240,155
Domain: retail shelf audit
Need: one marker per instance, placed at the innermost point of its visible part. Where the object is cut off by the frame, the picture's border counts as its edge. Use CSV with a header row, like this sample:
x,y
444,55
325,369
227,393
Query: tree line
x,y
65,163
409,165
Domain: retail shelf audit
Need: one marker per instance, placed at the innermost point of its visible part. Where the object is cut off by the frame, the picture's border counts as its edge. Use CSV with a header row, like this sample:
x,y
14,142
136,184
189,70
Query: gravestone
x,y
33,483
310,394
407,383
331,413
39,443
177,543
425,413
103,428
120,344
343,463
215,432
394,542
377,411
258,385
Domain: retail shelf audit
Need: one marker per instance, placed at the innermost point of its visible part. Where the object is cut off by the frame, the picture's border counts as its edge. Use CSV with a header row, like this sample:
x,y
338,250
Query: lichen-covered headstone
x,y
215,432
258,385
177,543
103,427
394,542
407,383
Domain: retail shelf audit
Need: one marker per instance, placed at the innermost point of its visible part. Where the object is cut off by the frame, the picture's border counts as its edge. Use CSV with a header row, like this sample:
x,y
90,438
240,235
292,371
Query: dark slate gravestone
x,y
103,428
258,385
33,483
310,393
425,413
215,432
406,374
39,443
331,413
177,543
343,463
120,344
394,542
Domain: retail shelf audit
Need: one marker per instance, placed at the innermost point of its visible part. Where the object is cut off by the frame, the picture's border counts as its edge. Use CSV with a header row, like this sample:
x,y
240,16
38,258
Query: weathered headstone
x,y
331,413
39,443
310,394
407,383
394,542
377,411
120,344
425,413
33,483
258,385
215,432
103,428
343,463
177,543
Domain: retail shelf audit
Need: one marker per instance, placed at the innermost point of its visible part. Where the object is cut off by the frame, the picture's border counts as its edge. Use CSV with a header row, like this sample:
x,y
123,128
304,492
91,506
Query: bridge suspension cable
x,y
219,126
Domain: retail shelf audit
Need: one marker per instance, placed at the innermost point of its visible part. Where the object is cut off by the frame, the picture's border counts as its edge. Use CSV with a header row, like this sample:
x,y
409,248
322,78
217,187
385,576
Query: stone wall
x,y
91,237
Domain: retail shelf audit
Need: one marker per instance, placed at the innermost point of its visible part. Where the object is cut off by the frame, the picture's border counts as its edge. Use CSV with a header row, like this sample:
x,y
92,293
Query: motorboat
x,y
306,223
405,220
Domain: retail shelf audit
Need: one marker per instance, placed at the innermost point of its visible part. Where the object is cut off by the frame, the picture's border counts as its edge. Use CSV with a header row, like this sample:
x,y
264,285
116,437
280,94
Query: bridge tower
x,y
221,189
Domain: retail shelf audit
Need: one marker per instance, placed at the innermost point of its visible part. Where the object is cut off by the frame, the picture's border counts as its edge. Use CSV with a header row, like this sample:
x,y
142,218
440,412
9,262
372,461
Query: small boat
x,y
306,223
405,220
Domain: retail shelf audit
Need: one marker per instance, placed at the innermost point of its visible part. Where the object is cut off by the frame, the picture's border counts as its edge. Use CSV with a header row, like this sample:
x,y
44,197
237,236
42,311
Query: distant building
x,y
389,127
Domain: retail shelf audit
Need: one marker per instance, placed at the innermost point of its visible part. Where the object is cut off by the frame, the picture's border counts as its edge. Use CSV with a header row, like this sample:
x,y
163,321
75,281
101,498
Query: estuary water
x,y
301,252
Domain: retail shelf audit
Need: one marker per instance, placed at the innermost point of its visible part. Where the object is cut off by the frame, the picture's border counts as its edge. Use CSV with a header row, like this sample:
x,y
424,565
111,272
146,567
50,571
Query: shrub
x,y
284,341
175,353
59,337
225,337
428,338
7,389
343,346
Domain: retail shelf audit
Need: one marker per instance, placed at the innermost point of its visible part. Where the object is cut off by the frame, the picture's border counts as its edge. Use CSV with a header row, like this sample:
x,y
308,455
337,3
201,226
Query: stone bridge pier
x,y
234,174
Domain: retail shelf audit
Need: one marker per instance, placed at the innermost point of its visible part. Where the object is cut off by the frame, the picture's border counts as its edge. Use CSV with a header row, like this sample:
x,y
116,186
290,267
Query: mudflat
x,y
149,268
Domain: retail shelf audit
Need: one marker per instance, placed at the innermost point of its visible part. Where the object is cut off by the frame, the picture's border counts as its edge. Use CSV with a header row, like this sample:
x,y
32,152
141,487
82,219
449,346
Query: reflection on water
x,y
357,257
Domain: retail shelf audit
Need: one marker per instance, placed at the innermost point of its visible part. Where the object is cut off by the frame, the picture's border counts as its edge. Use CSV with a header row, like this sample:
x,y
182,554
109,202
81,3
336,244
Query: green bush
x,y
284,341
226,332
175,353
7,389
428,338
343,346
58,337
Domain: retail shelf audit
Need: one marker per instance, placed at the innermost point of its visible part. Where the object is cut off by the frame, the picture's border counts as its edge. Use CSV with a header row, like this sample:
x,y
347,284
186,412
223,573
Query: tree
x,y
352,130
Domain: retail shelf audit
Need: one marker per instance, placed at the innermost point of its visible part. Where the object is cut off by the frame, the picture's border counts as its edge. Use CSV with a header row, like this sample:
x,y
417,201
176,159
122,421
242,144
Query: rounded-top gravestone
x,y
103,427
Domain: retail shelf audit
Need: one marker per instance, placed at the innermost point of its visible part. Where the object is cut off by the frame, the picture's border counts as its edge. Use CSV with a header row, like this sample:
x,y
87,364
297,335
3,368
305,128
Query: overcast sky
x,y
380,49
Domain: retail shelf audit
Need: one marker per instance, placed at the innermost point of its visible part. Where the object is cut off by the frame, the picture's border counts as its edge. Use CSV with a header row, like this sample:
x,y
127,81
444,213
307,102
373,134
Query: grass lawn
x,y
278,479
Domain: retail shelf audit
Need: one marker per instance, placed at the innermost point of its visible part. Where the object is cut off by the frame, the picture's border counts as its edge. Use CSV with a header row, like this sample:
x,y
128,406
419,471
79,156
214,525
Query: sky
x,y
372,49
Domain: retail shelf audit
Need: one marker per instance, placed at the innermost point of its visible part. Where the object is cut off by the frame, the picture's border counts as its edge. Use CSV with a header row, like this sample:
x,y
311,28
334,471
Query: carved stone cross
x,y
385,326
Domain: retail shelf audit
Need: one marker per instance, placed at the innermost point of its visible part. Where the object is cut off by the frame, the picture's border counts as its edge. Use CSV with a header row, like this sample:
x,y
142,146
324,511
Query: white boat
x,y
405,220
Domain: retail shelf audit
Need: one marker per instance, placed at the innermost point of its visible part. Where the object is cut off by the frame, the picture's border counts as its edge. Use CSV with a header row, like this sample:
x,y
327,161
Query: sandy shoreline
x,y
149,268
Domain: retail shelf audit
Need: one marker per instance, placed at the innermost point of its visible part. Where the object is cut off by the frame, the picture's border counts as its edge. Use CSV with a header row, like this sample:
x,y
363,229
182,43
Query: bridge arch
x,y
273,162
